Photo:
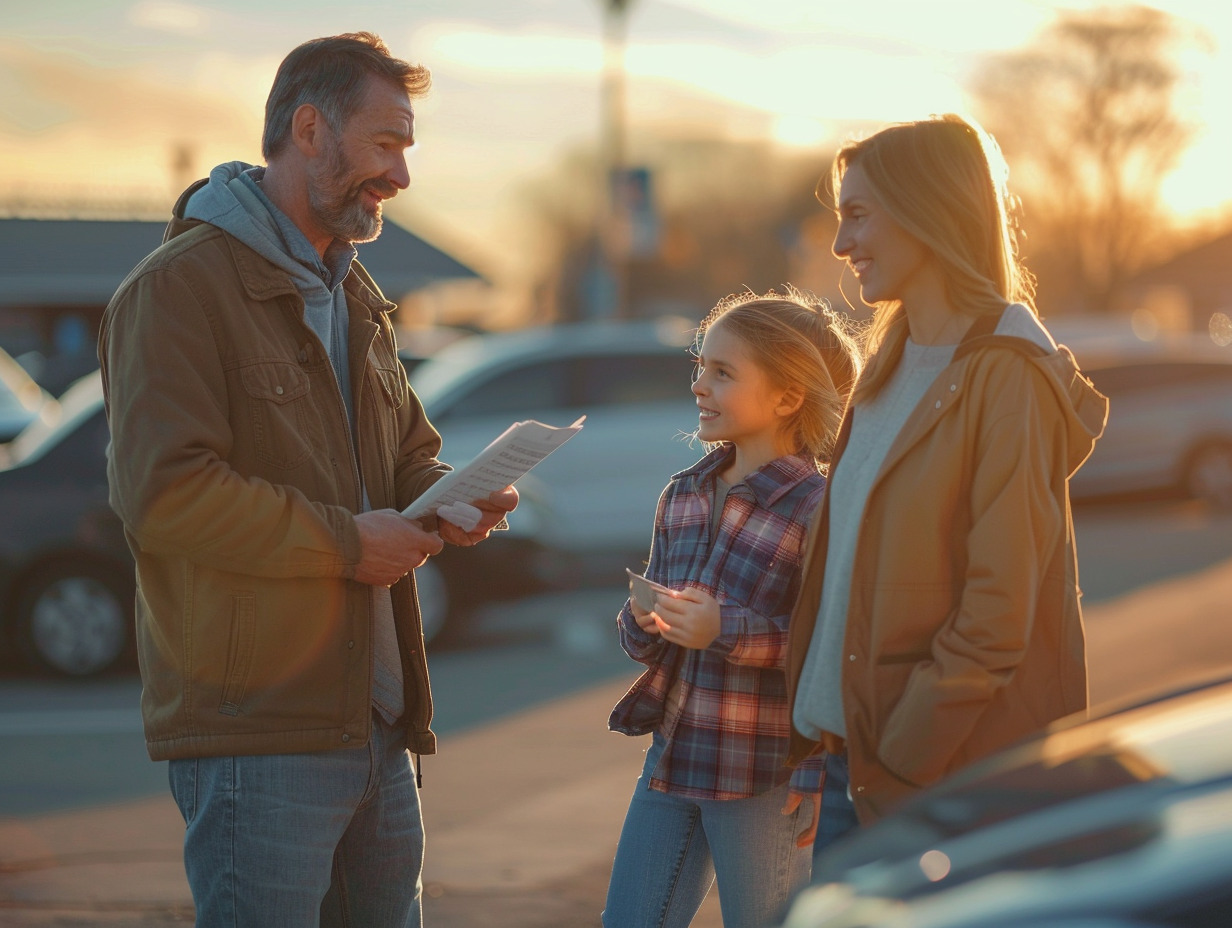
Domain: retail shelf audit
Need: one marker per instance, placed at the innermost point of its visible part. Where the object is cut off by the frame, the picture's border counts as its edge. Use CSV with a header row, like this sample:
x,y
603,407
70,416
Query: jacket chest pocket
x,y
278,396
393,387
390,395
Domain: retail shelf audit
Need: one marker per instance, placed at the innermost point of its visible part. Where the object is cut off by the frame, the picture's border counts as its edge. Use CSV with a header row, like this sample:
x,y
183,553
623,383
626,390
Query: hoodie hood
x,y
1085,408
231,200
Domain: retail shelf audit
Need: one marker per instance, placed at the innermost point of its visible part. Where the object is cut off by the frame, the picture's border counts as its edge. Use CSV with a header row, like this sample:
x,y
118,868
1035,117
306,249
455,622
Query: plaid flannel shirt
x,y
727,733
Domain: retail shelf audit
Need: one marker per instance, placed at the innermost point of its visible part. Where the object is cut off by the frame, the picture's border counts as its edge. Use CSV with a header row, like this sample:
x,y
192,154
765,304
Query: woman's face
x,y
889,262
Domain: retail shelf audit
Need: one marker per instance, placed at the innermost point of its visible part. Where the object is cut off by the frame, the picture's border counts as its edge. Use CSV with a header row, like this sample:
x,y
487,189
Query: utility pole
x,y
614,155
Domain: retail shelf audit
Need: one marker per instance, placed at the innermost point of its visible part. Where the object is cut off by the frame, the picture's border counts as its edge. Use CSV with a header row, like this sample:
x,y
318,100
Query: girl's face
x,y
736,401
889,262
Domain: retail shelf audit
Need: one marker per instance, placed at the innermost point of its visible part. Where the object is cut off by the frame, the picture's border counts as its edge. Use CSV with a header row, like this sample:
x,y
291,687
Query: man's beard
x,y
338,202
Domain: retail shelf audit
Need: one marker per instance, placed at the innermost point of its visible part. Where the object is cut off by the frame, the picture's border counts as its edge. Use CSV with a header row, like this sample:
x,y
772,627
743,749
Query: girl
x,y
713,799
938,617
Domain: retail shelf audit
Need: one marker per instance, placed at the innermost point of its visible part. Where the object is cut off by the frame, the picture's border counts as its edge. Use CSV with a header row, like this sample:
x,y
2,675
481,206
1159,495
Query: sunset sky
x,y
96,95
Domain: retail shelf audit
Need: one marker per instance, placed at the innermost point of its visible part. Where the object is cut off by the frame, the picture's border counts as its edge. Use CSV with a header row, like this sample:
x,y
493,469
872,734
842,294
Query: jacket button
x,y
350,644
346,738
851,657
278,390
937,405
859,789
953,387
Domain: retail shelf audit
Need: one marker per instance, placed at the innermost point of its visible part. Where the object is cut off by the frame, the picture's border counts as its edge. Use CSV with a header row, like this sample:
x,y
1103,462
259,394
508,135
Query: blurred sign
x,y
637,227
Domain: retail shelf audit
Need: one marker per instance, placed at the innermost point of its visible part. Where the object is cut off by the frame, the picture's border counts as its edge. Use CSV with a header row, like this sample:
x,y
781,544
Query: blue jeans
x,y
296,840
838,815
672,849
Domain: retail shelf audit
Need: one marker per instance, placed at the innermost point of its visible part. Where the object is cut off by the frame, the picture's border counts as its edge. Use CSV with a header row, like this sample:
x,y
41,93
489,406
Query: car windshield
x,y
18,390
78,401
435,378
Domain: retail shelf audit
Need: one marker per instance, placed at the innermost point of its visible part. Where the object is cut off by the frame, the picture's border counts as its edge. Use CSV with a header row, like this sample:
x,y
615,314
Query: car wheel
x,y
432,590
1208,475
75,618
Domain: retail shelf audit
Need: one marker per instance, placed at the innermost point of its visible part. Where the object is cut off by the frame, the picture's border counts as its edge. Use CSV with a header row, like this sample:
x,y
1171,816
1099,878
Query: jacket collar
x,y
262,279
768,483
1086,409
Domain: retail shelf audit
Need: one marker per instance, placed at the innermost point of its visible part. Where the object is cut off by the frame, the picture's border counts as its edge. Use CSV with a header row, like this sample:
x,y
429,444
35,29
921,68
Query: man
x,y
264,441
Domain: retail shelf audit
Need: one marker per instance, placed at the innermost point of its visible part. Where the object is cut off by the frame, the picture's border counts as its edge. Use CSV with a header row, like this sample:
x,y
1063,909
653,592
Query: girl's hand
x,y
645,620
689,618
794,798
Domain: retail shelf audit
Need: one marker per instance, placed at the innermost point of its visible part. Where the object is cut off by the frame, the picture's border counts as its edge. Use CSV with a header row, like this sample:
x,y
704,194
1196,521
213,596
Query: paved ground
x,y
522,815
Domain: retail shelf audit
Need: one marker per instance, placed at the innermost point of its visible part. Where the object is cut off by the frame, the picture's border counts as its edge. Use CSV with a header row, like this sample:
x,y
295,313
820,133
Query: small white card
x,y
644,592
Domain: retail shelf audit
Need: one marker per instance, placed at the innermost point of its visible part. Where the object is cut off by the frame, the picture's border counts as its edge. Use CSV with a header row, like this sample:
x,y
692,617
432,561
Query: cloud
x,y
169,16
796,81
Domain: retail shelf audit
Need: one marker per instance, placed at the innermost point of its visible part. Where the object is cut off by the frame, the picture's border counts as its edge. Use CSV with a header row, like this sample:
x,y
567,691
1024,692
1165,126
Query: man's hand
x,y
498,505
391,546
688,617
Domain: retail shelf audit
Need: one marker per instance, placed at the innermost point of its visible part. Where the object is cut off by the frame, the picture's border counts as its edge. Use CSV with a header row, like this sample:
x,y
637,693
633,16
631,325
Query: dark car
x,y
66,576
1122,819
22,400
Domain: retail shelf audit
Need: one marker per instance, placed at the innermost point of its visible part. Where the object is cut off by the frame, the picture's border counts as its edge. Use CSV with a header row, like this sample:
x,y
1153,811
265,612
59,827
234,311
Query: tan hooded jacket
x,y
964,631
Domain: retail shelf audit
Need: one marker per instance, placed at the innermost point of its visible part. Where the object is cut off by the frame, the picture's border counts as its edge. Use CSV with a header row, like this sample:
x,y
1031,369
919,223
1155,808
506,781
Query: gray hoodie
x,y
233,201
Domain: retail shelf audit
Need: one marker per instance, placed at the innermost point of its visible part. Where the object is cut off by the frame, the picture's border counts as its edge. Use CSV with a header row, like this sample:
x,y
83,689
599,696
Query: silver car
x,y
1169,425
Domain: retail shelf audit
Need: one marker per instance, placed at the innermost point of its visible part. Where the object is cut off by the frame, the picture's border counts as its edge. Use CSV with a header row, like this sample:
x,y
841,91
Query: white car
x,y
589,505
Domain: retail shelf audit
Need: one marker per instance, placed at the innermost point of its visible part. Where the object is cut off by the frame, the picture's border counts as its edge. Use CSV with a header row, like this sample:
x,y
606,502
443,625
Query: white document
x,y
514,452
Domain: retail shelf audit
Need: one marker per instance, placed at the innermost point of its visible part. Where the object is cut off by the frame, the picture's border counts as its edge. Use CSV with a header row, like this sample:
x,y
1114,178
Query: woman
x,y
938,618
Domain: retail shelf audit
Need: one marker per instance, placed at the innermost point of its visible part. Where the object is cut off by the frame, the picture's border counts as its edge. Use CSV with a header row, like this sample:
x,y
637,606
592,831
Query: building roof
x,y
82,261
1203,272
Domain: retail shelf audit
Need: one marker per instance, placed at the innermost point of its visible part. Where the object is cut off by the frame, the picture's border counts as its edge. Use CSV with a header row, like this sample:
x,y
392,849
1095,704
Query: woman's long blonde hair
x,y
943,180
802,344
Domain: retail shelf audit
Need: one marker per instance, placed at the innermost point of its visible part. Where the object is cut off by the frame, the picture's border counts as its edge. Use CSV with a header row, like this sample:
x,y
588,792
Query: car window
x,y
89,441
18,390
1129,378
616,380
80,401
544,385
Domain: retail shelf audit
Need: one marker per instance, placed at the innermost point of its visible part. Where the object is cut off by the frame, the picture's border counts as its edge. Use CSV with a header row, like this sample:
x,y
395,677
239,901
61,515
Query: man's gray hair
x,y
331,74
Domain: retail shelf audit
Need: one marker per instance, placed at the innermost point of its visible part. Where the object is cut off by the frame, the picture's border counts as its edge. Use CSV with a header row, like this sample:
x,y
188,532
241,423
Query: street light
x,y
613,154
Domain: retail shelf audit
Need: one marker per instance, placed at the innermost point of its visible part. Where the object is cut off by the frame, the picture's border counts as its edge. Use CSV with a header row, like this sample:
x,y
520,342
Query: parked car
x,y
418,344
66,576
1124,819
66,573
1169,425
589,506
22,400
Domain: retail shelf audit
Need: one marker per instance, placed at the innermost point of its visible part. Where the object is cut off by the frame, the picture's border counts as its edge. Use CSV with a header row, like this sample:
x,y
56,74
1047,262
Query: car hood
x,y
1175,742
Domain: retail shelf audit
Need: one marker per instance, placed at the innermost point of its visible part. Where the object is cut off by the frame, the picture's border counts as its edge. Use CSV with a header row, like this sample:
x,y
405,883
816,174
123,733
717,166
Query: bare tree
x,y
1086,118
729,215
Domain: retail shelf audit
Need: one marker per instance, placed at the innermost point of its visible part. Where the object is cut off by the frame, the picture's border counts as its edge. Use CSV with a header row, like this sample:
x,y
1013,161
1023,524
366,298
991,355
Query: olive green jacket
x,y
232,470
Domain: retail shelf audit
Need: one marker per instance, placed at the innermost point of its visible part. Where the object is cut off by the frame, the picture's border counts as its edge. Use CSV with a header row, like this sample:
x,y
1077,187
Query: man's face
x,y
364,164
